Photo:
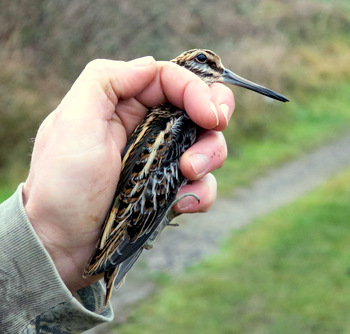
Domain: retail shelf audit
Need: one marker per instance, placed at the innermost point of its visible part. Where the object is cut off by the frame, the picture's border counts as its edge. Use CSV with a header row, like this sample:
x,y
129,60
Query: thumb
x,y
102,83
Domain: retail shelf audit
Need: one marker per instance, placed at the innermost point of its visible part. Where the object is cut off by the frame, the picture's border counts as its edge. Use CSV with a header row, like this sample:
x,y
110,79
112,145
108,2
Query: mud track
x,y
200,235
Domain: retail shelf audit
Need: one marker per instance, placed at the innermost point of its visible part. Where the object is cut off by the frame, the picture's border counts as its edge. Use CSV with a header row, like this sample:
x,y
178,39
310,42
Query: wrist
x,y
69,258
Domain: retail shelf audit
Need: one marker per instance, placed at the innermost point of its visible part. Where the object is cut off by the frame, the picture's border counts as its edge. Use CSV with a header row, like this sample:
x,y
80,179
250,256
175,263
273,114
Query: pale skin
x,y
76,160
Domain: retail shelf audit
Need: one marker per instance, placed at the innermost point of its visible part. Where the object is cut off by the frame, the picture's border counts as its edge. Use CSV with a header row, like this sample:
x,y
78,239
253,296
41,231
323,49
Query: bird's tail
x,y
110,277
115,277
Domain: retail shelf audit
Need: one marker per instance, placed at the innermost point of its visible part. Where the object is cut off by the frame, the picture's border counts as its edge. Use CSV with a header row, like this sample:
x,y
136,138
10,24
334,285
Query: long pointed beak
x,y
234,79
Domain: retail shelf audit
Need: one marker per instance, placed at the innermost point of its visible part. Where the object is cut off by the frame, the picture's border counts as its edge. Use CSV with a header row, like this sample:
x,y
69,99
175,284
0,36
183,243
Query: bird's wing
x,y
124,267
149,182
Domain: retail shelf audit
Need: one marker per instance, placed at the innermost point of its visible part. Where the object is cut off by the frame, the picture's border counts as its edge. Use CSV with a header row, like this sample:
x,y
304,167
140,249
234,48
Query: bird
x,y
151,178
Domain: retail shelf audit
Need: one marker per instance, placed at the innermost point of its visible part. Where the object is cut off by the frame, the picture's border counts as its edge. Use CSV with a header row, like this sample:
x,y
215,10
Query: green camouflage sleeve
x,y
33,297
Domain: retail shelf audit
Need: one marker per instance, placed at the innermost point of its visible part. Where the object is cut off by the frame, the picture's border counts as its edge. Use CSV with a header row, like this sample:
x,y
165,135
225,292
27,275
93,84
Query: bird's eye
x,y
201,58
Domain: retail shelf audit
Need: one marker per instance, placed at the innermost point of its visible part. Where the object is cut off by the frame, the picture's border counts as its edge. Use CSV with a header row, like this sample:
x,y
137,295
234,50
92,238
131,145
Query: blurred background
x,y
300,48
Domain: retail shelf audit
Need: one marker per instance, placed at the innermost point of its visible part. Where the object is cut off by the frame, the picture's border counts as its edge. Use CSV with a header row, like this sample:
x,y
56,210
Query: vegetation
x,y
286,273
299,48
323,117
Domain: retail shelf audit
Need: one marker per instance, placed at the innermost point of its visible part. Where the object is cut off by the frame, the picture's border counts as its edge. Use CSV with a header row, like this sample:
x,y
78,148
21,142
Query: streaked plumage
x,y
151,176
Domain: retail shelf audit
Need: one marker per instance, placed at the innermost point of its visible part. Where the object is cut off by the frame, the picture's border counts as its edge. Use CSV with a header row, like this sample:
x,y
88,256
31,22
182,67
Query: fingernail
x,y
225,109
186,203
213,108
143,61
199,163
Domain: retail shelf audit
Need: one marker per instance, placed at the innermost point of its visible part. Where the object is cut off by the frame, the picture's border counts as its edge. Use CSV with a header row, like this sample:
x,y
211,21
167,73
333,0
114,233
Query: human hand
x,y
76,160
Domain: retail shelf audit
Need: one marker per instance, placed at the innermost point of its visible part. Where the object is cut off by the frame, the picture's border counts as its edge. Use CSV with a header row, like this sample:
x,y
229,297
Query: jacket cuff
x,y
32,291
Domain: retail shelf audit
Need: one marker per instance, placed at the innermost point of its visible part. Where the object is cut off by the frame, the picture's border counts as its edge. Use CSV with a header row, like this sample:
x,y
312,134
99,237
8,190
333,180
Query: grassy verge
x,y
6,192
286,273
312,121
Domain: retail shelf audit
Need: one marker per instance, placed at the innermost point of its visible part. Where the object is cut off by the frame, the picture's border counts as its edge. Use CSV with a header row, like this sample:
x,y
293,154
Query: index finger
x,y
186,90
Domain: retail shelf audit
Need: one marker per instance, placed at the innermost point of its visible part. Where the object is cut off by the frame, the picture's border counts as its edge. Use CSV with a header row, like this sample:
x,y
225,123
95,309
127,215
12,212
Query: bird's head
x,y
208,66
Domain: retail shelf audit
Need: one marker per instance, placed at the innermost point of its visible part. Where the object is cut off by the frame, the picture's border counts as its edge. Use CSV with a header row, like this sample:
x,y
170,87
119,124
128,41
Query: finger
x,y
209,107
205,189
224,102
193,94
168,85
186,90
131,112
206,155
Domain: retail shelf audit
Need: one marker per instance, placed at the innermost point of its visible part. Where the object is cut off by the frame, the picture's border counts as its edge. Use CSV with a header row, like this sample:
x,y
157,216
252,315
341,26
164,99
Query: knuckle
x,y
96,64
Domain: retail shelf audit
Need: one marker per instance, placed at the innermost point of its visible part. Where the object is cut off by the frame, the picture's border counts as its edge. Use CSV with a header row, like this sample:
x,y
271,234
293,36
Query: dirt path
x,y
196,237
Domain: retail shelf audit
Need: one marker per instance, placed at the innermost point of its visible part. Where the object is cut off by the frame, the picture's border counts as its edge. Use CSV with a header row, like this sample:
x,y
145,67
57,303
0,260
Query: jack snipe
x,y
151,176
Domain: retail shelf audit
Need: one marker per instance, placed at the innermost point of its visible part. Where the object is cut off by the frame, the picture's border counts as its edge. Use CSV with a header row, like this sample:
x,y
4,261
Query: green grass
x,y
286,273
6,192
312,120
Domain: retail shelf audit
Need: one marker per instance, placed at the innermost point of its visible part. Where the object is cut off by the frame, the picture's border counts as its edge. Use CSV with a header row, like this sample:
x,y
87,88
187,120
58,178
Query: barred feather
x,y
151,176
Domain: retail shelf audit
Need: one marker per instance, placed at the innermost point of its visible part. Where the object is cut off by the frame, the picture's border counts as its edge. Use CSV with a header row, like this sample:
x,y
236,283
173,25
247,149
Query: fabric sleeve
x,y
33,297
